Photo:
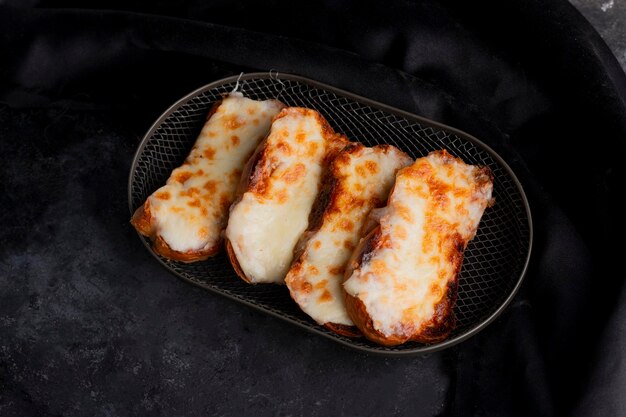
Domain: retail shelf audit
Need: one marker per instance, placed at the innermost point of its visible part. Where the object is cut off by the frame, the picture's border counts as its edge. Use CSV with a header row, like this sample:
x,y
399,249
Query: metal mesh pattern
x,y
495,260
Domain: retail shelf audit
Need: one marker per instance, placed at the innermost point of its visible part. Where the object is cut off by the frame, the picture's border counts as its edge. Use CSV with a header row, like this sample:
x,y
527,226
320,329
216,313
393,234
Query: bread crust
x,y
234,262
141,222
443,320
333,198
258,170
435,330
343,330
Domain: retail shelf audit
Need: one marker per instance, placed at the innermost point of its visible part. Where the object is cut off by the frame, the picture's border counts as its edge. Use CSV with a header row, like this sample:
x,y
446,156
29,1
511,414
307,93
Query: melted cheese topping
x,y
433,211
191,210
266,224
363,178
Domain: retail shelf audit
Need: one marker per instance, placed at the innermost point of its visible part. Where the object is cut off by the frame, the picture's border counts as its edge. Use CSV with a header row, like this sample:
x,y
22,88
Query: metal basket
x,y
495,260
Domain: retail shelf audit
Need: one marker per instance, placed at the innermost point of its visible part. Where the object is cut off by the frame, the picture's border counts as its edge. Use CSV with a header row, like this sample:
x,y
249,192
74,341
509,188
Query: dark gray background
x,y
90,346
609,19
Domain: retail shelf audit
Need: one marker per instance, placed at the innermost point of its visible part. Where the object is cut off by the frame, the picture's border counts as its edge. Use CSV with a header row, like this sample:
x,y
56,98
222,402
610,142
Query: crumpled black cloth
x,y
90,324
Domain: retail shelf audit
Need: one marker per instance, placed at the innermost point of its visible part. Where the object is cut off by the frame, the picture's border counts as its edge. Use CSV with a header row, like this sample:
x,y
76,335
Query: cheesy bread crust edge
x,y
254,175
141,219
329,193
141,222
435,330
443,321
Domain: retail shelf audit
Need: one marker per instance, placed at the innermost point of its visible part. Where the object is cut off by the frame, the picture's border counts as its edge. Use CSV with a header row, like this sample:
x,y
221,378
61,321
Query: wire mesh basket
x,y
495,260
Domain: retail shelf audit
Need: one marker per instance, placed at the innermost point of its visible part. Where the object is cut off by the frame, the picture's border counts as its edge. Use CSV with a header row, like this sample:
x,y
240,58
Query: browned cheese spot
x,y
294,273
461,192
284,147
235,175
379,267
346,225
300,137
282,196
232,122
300,285
435,229
209,153
163,195
361,171
255,121
404,212
182,177
462,209
400,232
359,187
211,134
435,290
408,314
177,209
348,245
371,166
294,173
438,193
336,270
203,233
313,270
251,110
235,140
321,285
204,211
326,297
312,149
420,169
317,244
210,186
194,203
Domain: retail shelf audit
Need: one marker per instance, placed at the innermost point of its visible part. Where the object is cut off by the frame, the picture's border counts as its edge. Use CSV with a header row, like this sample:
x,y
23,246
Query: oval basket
x,y
495,260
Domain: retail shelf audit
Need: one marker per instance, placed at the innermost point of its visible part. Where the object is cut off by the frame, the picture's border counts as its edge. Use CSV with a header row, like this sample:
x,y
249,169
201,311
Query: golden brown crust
x,y
141,221
234,262
162,248
443,321
249,176
358,313
343,330
257,173
354,306
435,330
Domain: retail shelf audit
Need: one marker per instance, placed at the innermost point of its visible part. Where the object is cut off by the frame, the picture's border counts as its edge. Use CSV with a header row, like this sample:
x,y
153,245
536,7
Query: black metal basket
x,y
495,260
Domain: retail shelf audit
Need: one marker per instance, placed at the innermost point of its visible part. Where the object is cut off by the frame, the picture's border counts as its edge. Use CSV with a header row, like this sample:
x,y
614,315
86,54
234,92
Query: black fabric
x,y
91,325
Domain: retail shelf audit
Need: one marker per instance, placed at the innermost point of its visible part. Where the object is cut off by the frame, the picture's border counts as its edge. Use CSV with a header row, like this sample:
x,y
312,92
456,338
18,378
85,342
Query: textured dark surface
x,y
608,17
91,325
